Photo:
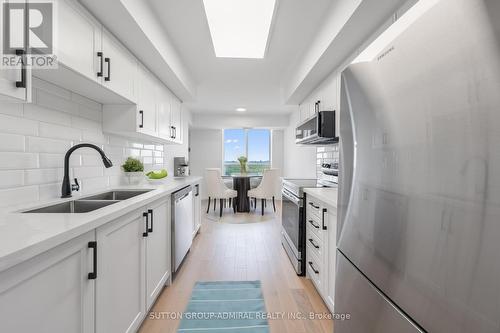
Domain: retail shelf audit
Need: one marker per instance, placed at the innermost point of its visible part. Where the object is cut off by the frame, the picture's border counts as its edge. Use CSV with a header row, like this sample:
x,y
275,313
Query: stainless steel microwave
x,y
320,129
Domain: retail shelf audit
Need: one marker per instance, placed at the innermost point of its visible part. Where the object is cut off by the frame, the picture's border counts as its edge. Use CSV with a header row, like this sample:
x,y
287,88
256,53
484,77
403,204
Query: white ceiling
x,y
222,84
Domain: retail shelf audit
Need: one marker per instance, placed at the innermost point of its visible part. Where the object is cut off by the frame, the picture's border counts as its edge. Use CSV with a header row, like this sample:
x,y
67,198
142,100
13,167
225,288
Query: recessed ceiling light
x,y
241,109
239,28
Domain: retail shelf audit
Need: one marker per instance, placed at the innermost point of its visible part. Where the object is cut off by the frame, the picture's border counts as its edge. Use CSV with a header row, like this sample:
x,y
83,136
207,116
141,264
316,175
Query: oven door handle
x,y
291,197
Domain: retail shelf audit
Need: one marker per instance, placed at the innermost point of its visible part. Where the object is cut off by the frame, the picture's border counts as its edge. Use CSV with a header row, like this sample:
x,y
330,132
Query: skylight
x,y
239,28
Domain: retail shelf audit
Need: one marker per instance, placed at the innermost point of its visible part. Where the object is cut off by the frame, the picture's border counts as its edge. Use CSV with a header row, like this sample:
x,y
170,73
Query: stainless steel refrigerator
x,y
419,203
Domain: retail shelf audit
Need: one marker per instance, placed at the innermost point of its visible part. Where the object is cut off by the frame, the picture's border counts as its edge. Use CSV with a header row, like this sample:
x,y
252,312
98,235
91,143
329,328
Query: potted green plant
x,y
134,170
243,164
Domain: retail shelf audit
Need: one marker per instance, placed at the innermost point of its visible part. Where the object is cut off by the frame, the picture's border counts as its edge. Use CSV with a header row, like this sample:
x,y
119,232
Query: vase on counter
x,y
135,178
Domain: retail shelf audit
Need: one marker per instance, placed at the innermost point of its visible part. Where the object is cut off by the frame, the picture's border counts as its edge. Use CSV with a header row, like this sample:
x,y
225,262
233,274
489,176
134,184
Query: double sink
x,y
91,203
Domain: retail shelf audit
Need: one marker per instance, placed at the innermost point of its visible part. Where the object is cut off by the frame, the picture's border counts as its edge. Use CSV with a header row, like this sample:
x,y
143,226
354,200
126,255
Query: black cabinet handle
x,y
150,212
99,55
141,125
312,267
172,132
108,61
313,244
175,132
93,275
313,205
323,218
146,215
314,224
22,83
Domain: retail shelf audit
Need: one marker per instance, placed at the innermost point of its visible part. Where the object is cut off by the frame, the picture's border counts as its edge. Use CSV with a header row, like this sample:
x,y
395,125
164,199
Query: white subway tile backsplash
x,y
59,132
11,142
35,137
55,102
86,124
43,176
18,195
9,124
11,178
14,161
57,160
14,109
35,112
88,172
45,145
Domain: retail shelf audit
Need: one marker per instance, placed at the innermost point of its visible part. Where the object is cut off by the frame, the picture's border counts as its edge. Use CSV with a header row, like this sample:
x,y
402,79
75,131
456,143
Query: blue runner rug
x,y
226,307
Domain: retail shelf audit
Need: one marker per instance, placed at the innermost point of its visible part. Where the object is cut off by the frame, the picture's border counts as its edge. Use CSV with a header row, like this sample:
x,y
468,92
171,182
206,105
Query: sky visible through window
x,y
235,144
258,150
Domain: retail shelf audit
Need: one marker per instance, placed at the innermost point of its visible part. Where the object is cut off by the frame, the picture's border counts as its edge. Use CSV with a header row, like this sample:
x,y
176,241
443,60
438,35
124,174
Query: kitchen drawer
x,y
314,269
314,222
313,206
314,242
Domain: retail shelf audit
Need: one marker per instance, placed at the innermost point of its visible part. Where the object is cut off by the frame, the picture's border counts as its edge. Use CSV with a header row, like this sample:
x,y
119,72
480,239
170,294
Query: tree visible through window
x,y
255,144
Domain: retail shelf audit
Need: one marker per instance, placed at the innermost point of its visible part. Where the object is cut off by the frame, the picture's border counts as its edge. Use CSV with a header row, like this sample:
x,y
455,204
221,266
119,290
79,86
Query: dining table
x,y
241,183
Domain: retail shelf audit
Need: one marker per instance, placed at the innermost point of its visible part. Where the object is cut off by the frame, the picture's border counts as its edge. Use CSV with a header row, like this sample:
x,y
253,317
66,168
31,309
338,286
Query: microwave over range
x,y
320,129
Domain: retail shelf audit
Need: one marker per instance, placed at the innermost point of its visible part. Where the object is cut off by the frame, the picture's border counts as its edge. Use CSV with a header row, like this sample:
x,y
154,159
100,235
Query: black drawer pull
x,y
314,224
146,215
313,205
99,55
312,267
108,78
313,244
150,212
323,217
141,125
93,275
22,83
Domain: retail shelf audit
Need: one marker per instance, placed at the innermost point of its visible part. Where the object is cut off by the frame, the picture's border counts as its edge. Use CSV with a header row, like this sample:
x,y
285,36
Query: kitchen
x,y
260,166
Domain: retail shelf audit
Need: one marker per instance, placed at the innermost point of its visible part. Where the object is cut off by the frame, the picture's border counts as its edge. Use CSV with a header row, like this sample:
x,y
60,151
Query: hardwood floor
x,y
242,247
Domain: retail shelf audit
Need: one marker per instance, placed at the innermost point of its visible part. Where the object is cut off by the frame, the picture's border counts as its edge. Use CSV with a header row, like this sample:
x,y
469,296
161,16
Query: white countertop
x,y
326,194
23,236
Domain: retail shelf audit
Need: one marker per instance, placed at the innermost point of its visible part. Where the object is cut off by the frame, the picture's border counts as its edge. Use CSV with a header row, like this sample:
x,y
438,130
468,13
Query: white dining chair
x,y
266,189
218,190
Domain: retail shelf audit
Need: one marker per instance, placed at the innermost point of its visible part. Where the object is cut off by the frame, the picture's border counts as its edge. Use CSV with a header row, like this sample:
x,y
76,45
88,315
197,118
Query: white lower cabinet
x,y
50,292
121,274
158,250
321,237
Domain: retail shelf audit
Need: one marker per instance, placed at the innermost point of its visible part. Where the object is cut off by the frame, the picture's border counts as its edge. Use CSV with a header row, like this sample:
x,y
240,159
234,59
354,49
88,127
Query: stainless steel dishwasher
x,y
182,225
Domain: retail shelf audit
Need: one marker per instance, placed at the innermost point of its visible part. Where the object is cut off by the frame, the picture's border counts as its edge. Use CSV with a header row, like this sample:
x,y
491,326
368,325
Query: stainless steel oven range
x,y
293,232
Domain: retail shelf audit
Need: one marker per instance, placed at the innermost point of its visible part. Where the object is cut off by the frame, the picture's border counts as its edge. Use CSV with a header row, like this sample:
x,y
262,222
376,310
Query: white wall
x,y
206,152
218,121
35,137
299,161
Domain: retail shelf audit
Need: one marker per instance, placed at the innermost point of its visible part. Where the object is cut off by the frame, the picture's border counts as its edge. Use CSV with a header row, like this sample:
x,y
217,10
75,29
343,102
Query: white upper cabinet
x,y
119,67
164,120
78,40
146,102
176,122
15,83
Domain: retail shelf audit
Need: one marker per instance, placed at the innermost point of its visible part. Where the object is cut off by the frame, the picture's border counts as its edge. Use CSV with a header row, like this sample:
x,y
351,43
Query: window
x,y
255,144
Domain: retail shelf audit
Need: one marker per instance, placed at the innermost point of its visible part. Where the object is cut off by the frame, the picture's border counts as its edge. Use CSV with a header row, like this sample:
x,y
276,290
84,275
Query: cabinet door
x,y
120,286
164,118
50,292
330,255
158,250
176,119
120,67
9,77
79,39
146,102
